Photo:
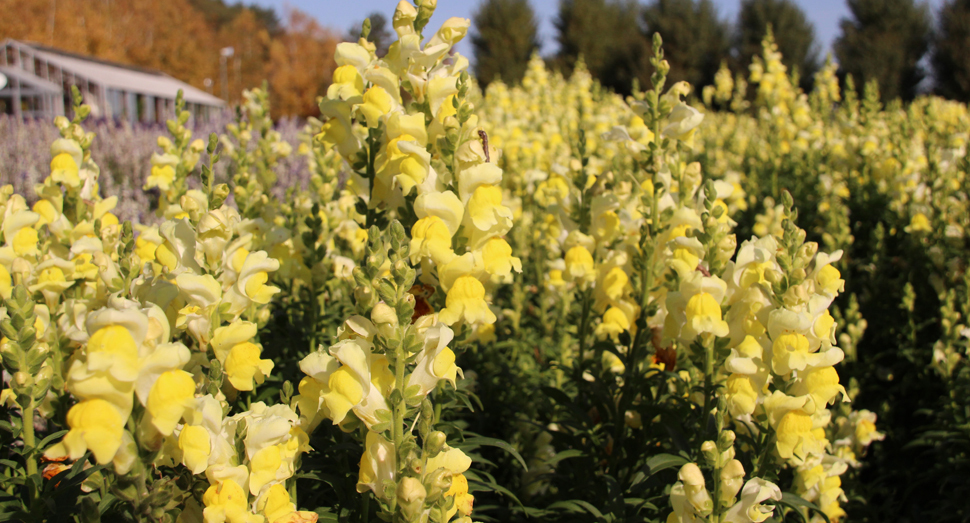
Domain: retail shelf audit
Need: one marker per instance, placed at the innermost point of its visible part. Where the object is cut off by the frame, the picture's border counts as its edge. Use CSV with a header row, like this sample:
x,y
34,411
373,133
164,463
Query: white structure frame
x,y
39,81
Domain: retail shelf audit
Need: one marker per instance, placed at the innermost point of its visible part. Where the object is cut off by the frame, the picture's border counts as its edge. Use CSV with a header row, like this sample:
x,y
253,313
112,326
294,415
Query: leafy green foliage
x,y
793,32
951,62
505,37
697,40
885,41
606,35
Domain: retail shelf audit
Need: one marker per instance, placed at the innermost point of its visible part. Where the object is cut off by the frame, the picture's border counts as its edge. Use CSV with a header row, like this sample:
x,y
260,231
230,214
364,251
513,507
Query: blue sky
x,y
343,14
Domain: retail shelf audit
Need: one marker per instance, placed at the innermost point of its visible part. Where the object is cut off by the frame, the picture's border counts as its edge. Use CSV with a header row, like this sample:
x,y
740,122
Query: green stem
x,y
708,341
371,177
315,312
29,438
584,326
399,409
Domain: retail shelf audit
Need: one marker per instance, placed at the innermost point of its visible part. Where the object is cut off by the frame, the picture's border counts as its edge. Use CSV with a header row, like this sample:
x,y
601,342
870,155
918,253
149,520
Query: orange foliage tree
x,y
301,65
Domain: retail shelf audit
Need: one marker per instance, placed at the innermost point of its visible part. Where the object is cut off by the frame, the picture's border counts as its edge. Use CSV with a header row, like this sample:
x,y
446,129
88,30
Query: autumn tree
x,y
696,41
250,43
123,31
504,38
301,65
218,14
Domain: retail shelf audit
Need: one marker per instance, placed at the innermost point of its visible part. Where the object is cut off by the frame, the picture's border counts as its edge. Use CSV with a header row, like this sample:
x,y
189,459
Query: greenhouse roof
x,y
30,79
118,76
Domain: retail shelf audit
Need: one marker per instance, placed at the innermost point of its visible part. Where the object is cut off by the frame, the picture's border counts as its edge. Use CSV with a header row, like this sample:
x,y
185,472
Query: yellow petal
x,y
169,398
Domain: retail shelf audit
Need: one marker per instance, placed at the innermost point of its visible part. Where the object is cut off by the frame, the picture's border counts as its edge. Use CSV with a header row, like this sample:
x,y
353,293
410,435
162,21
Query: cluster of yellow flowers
x,y
627,225
139,317
912,158
436,216
427,165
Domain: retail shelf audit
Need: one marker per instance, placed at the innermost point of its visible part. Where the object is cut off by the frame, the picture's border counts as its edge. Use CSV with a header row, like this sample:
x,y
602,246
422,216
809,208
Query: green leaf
x,y
478,441
664,461
46,441
495,487
578,506
566,454
795,502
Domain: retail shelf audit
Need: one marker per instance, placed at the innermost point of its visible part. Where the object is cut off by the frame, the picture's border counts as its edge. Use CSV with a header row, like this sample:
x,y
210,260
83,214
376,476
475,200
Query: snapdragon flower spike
x,y
127,354
408,161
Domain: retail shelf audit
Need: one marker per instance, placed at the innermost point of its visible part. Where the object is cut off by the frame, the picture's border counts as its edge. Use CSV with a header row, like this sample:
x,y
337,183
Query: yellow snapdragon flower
x,y
196,444
430,238
96,425
227,502
376,103
498,259
264,466
64,170
579,265
169,398
243,366
704,316
466,302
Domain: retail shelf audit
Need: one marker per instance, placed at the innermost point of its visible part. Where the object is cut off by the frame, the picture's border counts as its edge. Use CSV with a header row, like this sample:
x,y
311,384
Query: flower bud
x,y
434,443
774,277
219,194
365,296
694,486
709,450
732,476
411,494
439,481
383,314
400,269
632,419
45,373
22,379
404,16
807,250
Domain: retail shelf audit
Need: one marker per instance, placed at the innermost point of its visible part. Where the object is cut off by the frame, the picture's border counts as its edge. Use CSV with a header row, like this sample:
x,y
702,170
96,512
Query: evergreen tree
x,y
884,41
951,61
380,35
696,41
606,34
504,38
793,32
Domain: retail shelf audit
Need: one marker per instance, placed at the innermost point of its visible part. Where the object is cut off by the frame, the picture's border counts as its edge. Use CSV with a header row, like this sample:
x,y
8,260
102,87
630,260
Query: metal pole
x,y
224,55
16,99
223,78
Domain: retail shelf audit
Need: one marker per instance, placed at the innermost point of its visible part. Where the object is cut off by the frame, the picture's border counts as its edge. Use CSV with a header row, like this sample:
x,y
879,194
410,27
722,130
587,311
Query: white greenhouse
x,y
35,81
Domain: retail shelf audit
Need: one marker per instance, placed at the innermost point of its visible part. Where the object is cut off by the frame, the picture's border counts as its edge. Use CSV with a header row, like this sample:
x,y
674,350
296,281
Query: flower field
x,y
542,302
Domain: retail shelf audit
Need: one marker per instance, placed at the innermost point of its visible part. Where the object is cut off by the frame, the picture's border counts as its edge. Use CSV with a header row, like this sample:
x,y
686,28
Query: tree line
x,y
894,42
